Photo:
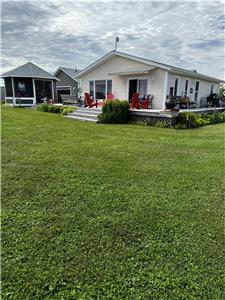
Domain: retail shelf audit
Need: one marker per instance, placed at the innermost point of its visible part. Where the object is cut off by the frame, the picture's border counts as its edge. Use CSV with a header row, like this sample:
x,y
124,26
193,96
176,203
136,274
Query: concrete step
x,y
82,118
91,110
84,115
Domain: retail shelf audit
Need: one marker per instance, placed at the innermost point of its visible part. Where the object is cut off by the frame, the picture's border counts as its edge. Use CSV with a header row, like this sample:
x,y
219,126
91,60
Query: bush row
x,y
55,108
114,112
191,120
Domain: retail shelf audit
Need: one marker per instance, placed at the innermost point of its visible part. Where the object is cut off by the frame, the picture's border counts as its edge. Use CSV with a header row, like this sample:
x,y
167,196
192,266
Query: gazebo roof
x,y
29,70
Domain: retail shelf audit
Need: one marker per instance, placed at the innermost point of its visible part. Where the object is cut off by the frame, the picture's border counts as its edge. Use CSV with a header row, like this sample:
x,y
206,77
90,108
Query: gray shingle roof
x,y
29,70
69,71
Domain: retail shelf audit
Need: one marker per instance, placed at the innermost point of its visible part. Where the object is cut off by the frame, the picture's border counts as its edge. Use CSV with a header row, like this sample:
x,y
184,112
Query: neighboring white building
x,y
124,74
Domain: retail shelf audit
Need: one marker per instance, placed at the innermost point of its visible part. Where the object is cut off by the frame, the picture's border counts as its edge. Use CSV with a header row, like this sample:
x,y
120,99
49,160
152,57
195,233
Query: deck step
x,y
85,114
82,118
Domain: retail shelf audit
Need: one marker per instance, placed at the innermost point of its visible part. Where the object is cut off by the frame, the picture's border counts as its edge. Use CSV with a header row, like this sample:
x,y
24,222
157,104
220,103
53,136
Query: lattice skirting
x,y
153,119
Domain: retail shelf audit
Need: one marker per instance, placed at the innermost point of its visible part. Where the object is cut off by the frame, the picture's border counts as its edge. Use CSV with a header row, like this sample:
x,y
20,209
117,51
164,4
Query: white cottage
x,y
124,74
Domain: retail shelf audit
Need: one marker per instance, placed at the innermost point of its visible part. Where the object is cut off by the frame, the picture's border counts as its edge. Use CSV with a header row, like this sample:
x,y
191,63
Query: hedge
x,y
114,112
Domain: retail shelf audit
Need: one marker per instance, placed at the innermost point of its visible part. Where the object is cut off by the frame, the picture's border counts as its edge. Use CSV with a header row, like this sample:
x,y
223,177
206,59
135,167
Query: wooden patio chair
x,y
89,102
110,96
147,102
135,103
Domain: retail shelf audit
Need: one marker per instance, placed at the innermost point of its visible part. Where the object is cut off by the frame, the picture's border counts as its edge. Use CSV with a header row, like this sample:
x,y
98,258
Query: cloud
x,y
52,33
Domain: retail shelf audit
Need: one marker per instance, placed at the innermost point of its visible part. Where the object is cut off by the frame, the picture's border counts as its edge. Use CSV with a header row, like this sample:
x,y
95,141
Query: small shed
x,y
28,85
68,85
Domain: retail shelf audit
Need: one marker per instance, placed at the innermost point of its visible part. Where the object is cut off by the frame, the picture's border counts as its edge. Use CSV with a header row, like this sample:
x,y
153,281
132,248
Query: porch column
x,y
34,92
52,90
165,89
13,90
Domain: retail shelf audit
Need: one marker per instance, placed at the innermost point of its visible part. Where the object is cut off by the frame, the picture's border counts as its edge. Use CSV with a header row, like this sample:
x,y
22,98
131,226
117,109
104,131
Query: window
x,y
63,90
109,86
196,90
99,89
176,87
186,88
43,89
91,88
142,88
8,87
23,87
211,89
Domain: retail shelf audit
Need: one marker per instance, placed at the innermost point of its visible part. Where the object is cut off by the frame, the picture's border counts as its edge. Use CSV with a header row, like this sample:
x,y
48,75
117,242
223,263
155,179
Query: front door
x,y
133,87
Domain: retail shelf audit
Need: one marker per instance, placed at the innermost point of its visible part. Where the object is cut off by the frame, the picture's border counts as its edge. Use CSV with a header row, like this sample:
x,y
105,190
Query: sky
x,y
56,33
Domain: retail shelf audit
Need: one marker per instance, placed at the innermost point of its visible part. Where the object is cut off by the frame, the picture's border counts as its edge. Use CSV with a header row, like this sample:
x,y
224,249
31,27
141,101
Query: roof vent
x,y
194,70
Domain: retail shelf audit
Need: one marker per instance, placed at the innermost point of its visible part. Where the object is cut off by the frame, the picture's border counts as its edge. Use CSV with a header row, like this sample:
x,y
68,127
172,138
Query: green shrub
x,y
67,110
50,108
180,126
114,112
209,118
192,120
42,107
162,124
218,117
189,119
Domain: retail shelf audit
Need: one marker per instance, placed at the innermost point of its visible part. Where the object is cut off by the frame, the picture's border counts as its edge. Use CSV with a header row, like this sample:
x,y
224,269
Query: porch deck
x,y
170,117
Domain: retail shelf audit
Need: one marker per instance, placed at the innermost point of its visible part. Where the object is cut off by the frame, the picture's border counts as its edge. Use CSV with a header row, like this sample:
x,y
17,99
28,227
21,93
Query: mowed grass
x,y
110,211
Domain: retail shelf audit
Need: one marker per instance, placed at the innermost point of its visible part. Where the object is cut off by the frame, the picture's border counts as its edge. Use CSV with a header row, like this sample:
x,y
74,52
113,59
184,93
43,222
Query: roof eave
x,y
197,75
60,69
25,76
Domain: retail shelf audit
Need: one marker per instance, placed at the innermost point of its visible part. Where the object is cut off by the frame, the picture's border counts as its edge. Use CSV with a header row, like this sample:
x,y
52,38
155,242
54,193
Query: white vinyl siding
x,y
203,90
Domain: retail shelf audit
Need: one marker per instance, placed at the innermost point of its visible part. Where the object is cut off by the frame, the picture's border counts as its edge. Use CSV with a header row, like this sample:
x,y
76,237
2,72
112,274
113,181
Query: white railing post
x,y
165,89
52,90
13,90
34,92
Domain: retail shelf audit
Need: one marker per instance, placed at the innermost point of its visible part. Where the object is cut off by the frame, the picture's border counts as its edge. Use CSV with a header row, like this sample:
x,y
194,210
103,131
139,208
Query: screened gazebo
x,y
29,85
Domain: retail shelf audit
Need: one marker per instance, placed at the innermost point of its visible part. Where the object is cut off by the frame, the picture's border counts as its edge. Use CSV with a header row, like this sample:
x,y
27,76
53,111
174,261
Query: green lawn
x,y
110,211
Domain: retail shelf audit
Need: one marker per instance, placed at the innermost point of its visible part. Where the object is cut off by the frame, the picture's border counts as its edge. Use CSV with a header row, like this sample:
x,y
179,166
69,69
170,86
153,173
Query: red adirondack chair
x,y
89,102
147,102
135,103
110,96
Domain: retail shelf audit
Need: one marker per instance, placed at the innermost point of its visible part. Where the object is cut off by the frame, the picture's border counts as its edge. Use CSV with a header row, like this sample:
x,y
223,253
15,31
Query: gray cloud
x,y
53,33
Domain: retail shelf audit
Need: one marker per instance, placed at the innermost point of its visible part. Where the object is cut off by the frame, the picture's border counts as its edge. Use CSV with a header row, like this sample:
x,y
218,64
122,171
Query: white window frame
x,y
211,89
196,100
140,78
178,85
106,89
186,91
62,87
